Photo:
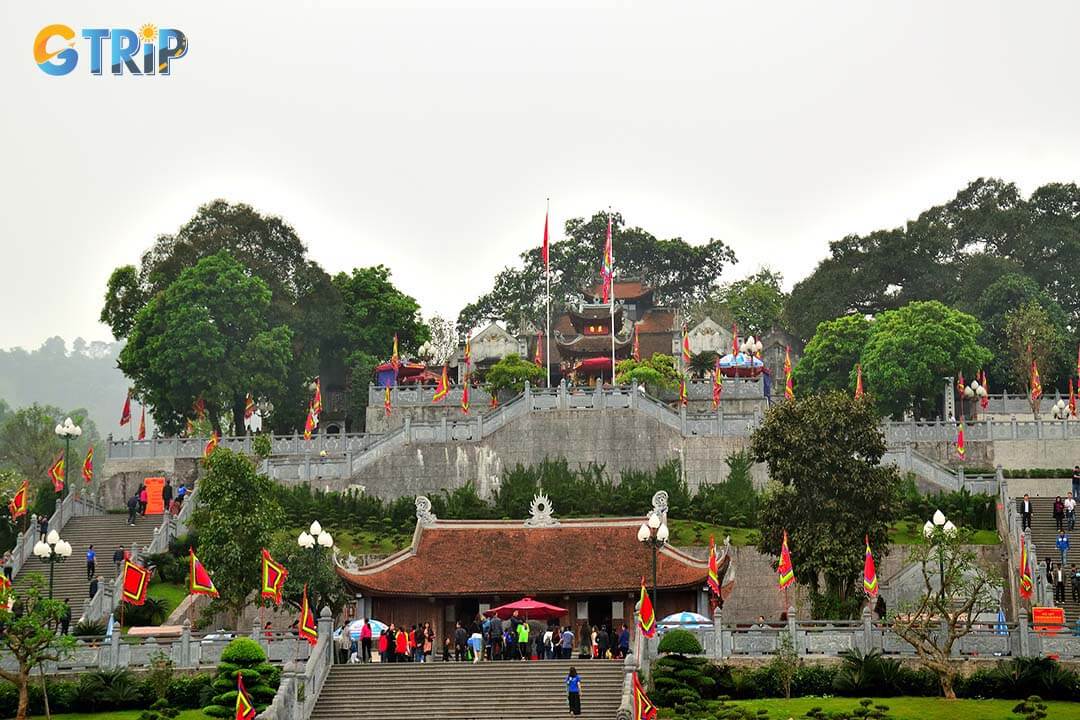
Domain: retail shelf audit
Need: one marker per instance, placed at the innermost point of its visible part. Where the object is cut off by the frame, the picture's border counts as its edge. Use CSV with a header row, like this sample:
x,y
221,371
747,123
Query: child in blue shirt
x,y
573,691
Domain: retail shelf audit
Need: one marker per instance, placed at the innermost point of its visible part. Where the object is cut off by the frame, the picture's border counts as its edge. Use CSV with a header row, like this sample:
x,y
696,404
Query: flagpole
x,y
547,284
611,281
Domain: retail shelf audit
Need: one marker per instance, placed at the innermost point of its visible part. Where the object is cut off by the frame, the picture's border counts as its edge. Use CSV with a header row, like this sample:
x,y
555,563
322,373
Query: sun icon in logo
x,y
148,33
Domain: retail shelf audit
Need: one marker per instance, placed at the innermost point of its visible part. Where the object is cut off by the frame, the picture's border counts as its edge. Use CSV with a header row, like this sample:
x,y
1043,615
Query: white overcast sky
x,y
426,136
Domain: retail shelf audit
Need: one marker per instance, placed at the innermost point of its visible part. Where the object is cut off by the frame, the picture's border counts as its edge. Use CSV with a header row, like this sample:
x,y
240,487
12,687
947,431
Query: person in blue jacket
x,y
573,691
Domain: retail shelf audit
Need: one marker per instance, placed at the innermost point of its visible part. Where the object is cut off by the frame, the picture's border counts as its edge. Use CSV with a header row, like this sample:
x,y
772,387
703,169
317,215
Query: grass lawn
x,y
695,532
908,533
172,594
367,542
123,715
907,708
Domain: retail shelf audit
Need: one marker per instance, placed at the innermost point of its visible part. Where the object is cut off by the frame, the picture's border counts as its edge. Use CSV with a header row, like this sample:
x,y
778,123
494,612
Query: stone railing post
x,y
185,645
682,419
255,629
633,402
113,660
326,630
407,430
793,630
527,394
443,428
718,632
1023,631
563,403
867,631
479,427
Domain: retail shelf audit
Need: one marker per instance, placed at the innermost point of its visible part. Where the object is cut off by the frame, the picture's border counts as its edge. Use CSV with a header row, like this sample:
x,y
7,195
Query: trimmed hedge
x,y
103,691
681,642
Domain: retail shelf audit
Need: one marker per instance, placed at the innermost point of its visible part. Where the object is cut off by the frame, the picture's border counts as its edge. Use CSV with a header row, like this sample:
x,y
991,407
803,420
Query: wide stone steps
x,y
1044,533
104,532
507,690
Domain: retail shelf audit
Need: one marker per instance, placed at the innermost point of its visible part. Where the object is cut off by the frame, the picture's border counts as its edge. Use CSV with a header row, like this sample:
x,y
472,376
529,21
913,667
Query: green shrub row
x,y
680,680
105,691
1038,473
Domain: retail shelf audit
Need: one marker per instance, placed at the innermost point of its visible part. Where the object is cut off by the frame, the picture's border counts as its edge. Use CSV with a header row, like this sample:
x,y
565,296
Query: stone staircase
x,y
1044,534
505,690
105,532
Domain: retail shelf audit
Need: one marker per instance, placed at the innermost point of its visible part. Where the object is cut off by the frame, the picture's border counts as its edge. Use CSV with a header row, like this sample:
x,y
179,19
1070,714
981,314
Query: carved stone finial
x,y
540,509
424,516
660,503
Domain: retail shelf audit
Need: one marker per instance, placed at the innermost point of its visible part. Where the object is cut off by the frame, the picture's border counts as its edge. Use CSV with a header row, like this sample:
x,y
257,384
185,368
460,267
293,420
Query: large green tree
x,y
301,298
510,374
828,360
235,516
755,303
828,491
1033,339
313,568
680,273
207,335
911,350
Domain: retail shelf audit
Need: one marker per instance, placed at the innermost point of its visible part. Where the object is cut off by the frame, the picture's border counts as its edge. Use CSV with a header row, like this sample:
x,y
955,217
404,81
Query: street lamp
x,y
315,537
973,391
653,533
937,530
52,550
66,431
1060,410
751,346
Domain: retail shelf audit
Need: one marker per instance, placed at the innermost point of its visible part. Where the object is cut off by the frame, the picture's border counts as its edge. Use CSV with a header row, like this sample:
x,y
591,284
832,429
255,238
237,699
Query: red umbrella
x,y
538,610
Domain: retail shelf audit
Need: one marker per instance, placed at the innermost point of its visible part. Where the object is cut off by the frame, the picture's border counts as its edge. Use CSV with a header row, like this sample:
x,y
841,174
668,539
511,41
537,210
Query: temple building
x,y
456,569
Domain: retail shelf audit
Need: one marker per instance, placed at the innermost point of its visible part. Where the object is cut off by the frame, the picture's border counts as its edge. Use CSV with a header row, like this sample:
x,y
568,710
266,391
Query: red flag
x,y
682,391
869,580
245,710
442,387
88,465
142,423
211,444
56,473
636,352
789,387
607,271
717,384
249,406
961,449
199,581
1026,584
713,581
647,617
858,381
200,408
494,400
19,504
643,707
395,358
316,400
136,580
547,259
386,404
465,397
273,578
686,356
1036,384
308,628
785,571
1072,399
538,358
984,401
468,358
960,385
734,339
309,423
125,412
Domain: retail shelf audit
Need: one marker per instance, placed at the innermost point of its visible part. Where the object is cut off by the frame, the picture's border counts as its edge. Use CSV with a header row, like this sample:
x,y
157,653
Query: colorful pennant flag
x,y
273,578
636,351
785,571
643,707
1072,399
468,358
717,383
88,465
309,423
211,444
961,448
607,271
199,581
142,422
789,387
538,358
56,473
858,381
308,628
734,340
546,251
1036,384
465,397
200,408
316,400
387,405
683,399
1026,584
442,386
960,384
984,401
245,710
686,356
646,615
249,406
136,580
395,358
125,412
20,503
494,400
869,573
5,584
713,581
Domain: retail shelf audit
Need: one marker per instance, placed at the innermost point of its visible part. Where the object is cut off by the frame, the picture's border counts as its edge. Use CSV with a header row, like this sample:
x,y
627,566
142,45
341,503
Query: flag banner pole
x,y
547,284
611,284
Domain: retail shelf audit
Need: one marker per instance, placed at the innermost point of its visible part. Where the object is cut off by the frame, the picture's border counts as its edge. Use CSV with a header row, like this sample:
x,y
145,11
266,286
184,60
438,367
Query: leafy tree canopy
x,y
828,489
828,360
509,375
755,303
656,373
680,273
207,335
911,350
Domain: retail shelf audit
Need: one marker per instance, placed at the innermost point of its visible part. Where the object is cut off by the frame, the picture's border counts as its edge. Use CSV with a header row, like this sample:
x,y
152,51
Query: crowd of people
x,y
484,639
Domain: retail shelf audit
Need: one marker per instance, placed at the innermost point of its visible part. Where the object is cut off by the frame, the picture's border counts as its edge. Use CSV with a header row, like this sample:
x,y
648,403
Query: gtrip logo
x,y
148,51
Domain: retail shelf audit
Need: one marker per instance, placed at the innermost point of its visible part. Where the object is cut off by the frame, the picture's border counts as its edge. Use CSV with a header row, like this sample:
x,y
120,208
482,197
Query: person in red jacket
x,y
401,649
384,645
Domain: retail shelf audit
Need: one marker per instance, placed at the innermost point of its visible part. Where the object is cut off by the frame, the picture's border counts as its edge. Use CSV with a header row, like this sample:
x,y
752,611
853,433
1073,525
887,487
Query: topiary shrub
x,y
680,642
242,656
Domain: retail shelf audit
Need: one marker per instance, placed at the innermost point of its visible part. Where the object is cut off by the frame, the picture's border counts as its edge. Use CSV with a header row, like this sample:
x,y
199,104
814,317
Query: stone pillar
x,y
255,634
682,419
718,632
633,394
407,429
326,630
445,429
479,427
1024,632
113,659
793,630
867,630
528,396
562,395
361,607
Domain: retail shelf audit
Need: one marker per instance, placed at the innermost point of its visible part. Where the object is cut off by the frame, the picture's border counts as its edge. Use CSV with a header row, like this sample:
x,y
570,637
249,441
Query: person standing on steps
x,y
118,558
1070,512
365,642
602,642
91,562
1059,584
523,640
1059,513
1074,580
1062,545
573,691
144,499
65,619
567,643
133,507
166,496
461,639
94,586
1076,481
624,641
1025,512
